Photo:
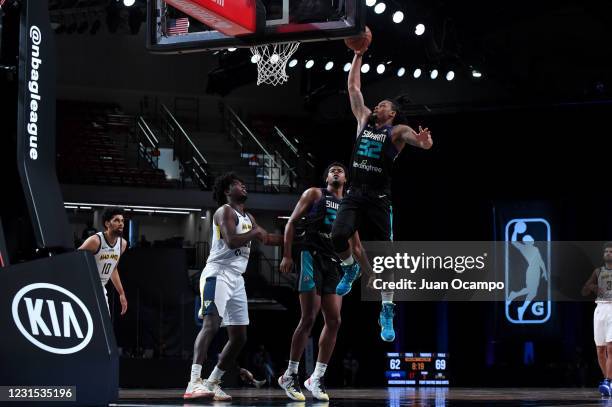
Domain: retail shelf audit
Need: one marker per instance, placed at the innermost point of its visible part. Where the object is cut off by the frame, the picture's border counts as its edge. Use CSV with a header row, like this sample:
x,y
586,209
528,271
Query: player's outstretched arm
x,y
358,106
227,223
269,239
406,134
308,198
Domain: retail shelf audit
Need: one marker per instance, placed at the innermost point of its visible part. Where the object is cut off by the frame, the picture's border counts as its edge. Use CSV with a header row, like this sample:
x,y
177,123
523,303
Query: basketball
x,y
360,42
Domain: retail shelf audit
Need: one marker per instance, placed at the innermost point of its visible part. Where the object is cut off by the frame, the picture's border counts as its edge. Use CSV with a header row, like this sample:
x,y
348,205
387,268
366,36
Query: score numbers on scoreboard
x,y
417,369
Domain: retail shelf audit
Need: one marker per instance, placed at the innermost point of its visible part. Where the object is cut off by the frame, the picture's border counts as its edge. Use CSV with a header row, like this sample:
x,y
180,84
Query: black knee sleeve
x,y
341,233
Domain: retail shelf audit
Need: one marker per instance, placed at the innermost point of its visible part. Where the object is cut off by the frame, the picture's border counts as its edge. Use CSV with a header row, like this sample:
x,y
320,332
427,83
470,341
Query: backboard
x,y
172,26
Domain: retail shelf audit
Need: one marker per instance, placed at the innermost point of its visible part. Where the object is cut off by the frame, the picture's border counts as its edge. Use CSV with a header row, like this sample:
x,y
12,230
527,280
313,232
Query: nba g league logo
x,y
527,270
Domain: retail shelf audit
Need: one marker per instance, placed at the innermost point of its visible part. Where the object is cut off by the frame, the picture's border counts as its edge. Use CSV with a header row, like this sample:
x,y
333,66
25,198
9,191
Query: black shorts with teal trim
x,y
369,213
316,271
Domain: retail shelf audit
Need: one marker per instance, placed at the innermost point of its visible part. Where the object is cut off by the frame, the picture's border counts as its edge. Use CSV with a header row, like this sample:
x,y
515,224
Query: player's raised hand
x,y
286,265
424,138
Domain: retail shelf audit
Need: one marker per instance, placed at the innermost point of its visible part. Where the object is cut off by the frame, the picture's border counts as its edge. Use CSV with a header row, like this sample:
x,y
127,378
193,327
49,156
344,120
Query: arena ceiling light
x,y
347,67
129,3
370,3
476,74
309,64
365,68
398,17
450,75
380,8
380,69
401,72
419,29
293,63
232,49
329,65
255,59
433,74
85,205
417,73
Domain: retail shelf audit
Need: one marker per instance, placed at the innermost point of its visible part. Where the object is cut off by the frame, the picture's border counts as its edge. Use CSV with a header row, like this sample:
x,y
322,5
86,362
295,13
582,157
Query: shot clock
x,y
417,369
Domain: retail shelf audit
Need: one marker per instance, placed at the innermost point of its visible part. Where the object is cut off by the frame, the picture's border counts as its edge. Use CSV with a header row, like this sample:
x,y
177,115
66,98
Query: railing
x,y
192,161
269,269
304,160
275,173
147,143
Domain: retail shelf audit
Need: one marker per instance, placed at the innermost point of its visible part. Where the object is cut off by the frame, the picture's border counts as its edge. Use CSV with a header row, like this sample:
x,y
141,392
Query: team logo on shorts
x,y
527,270
207,304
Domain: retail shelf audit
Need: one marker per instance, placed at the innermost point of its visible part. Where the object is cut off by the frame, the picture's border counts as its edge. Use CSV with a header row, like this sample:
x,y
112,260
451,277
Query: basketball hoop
x,y
272,60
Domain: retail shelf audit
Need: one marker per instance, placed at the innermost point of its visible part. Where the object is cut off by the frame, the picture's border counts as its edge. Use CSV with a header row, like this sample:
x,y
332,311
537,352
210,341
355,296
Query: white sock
x,y
196,371
292,368
348,261
386,296
319,370
216,374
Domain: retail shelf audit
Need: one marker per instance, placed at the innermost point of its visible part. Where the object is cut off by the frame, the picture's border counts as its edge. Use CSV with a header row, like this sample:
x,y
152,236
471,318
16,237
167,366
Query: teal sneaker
x,y
385,320
346,282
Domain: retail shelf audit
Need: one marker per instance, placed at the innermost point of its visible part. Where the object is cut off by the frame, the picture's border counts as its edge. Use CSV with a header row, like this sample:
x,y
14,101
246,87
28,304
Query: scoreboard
x,y
417,369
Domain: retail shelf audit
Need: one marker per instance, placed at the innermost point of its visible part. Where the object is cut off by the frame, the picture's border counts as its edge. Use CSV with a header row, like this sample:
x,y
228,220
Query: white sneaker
x,y
317,388
196,390
291,385
219,394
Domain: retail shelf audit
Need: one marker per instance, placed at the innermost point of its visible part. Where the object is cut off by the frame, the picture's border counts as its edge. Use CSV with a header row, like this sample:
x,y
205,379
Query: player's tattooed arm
x,y
361,112
308,198
405,134
360,254
226,219
590,287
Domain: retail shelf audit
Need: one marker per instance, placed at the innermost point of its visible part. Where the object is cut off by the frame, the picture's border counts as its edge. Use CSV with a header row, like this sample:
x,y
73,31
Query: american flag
x,y
177,26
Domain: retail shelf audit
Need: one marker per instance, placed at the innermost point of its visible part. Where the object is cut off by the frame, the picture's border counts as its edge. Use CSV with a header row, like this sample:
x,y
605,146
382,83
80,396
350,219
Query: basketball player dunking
x,y
318,275
367,204
107,247
600,283
224,300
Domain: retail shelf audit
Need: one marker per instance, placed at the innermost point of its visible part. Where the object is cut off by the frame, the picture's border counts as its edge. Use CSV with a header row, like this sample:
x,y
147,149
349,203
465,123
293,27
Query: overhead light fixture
x,y
131,207
419,29
433,74
398,17
401,72
309,64
370,3
329,65
231,49
365,68
476,74
450,75
129,3
283,217
255,59
347,67
293,63
417,73
380,69
380,8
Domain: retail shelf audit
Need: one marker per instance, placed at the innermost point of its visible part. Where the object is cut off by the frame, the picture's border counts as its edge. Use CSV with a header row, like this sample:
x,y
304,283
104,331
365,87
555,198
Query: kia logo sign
x,y
52,318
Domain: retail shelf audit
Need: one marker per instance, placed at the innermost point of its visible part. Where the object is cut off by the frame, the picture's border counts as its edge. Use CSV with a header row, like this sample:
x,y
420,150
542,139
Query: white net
x,y
272,60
